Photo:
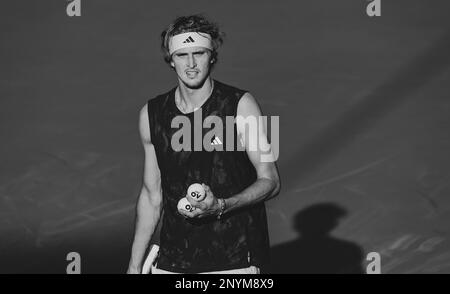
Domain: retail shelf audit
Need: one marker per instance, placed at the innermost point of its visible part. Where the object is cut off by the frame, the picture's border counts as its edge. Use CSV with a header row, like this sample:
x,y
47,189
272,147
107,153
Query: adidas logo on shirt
x,y
189,40
216,141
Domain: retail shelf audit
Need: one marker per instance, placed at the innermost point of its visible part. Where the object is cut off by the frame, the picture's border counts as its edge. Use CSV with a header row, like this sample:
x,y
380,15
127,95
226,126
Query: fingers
x,y
206,187
197,213
190,200
197,204
189,214
209,193
202,208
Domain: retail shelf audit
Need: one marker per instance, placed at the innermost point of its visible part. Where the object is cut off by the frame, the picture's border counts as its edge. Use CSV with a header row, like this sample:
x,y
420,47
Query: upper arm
x,y
252,129
152,175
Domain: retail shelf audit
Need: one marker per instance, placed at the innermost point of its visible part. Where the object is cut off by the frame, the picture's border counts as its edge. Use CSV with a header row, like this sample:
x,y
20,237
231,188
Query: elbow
x,y
276,187
275,176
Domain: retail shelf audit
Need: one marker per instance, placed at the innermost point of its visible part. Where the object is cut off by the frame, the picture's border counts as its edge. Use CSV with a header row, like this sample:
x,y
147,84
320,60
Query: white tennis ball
x,y
196,192
184,204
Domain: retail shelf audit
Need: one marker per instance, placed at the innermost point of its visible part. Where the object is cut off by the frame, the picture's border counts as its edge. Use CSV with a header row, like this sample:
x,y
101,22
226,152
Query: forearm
x,y
262,189
148,214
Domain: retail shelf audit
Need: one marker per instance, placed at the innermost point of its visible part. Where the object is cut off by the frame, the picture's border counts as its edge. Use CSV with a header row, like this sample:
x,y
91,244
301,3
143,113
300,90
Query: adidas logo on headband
x,y
189,40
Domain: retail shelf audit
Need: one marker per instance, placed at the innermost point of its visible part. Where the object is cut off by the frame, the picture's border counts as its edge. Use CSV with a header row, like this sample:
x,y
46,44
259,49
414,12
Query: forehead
x,y
190,50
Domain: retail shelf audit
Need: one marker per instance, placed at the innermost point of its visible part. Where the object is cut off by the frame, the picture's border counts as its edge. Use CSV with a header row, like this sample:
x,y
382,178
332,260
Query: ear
x,y
213,58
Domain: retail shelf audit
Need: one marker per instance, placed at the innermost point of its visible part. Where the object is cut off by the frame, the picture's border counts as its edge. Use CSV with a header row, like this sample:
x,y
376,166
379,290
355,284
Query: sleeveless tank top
x,y
240,238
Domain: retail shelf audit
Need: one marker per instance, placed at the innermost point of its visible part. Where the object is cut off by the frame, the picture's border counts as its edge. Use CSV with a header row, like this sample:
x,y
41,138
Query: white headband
x,y
191,39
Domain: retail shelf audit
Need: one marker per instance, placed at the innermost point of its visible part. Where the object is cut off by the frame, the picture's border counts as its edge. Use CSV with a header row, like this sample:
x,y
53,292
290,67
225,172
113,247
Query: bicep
x,y
252,129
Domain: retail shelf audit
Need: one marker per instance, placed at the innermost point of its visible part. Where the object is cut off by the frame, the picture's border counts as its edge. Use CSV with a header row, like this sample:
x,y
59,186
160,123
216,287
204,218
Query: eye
x,y
199,53
181,54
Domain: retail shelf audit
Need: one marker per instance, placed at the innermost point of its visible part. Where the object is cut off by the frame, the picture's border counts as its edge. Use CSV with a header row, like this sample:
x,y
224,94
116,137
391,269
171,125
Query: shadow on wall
x,y
315,251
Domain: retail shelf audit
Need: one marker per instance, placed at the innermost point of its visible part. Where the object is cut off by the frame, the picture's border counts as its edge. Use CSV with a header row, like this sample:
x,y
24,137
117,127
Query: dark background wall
x,y
364,118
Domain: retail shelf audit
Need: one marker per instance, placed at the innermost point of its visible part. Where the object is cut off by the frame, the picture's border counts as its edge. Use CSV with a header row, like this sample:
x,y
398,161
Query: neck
x,y
189,98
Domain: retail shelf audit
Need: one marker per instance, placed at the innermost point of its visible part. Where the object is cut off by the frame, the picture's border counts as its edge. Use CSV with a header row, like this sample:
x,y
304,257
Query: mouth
x,y
192,73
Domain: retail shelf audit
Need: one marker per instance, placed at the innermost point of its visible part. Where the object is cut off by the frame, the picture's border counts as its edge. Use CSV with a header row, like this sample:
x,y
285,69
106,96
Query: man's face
x,y
192,65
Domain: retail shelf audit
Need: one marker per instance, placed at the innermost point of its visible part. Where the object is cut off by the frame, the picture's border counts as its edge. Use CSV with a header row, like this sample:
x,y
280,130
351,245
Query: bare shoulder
x,y
144,125
248,105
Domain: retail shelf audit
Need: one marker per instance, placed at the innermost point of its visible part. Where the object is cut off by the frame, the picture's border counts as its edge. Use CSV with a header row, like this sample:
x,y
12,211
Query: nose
x,y
191,61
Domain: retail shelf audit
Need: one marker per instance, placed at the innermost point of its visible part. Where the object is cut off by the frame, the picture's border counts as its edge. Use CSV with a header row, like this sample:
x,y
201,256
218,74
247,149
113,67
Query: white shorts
x,y
251,270
150,268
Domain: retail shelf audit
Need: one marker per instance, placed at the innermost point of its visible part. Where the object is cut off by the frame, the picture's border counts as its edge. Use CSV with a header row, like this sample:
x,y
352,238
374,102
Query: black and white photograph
x,y
224,137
